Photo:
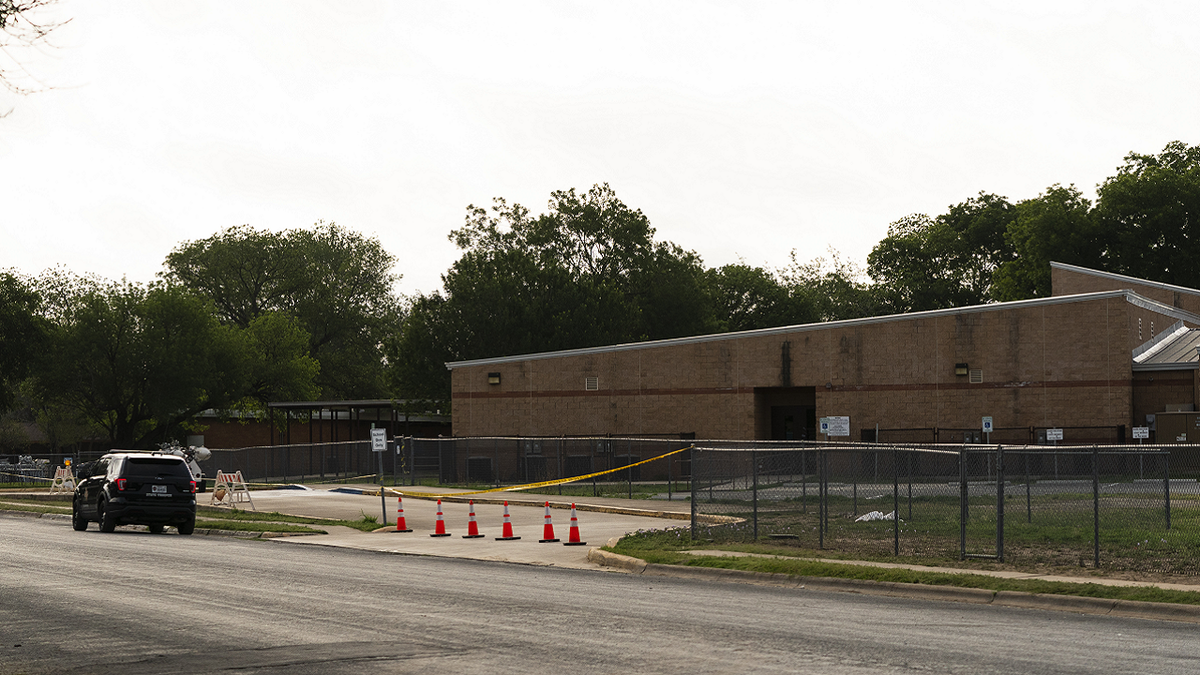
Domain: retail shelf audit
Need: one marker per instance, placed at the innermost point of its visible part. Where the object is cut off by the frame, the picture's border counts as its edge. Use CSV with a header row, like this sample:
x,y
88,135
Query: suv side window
x,y
114,469
100,468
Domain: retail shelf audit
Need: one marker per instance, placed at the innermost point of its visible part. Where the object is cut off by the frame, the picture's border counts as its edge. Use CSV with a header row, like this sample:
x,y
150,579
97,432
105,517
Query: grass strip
x,y
366,524
39,507
668,551
236,526
232,520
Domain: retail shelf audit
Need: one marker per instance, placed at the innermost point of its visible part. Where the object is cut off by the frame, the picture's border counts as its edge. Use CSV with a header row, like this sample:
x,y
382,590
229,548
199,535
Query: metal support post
x,y
1000,503
895,501
1167,487
1096,505
754,490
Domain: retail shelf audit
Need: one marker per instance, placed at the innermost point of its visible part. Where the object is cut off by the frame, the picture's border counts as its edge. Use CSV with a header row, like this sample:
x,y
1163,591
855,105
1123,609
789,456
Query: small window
x,y
591,383
976,375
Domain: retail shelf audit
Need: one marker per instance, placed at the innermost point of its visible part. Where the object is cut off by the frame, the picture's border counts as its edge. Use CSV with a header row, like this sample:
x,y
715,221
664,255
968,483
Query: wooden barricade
x,y
64,480
230,488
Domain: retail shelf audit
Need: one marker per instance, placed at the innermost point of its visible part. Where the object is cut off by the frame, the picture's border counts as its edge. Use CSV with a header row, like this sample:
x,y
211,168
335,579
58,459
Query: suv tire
x,y
155,529
107,522
187,528
78,522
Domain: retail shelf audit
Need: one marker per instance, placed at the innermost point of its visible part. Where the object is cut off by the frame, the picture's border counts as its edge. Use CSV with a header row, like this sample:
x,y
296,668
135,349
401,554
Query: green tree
x,y
1149,216
747,298
1056,225
139,361
588,272
837,288
22,334
947,261
335,282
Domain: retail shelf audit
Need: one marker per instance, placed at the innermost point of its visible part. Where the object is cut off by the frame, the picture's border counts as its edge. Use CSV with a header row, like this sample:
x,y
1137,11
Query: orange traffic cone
x,y
507,532
548,530
440,528
573,539
400,524
472,527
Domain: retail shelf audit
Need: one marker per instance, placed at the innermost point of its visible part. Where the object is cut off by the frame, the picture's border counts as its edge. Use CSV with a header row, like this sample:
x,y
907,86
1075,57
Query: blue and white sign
x,y
987,425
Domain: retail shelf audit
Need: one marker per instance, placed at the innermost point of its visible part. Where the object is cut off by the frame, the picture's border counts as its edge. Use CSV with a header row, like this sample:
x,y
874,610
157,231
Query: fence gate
x,y
981,502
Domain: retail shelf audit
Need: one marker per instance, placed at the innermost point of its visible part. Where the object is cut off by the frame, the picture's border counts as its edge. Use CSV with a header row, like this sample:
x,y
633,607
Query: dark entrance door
x,y
793,422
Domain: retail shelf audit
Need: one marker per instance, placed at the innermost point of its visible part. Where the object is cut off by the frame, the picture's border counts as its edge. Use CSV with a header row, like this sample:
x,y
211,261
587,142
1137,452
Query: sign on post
x,y
1141,433
378,440
1054,434
987,425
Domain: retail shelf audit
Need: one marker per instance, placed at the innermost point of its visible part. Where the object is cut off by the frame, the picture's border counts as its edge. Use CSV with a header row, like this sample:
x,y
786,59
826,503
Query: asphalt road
x,y
135,603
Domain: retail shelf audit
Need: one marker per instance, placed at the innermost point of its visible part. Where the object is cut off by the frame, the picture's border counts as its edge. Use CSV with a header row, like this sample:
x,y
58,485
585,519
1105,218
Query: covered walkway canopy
x,y
327,420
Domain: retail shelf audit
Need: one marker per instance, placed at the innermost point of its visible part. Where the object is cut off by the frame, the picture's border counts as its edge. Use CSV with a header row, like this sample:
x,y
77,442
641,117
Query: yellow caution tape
x,y
545,483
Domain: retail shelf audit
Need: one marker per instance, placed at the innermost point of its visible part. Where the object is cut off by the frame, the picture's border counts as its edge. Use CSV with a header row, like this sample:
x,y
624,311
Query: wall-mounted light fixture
x,y
493,378
961,369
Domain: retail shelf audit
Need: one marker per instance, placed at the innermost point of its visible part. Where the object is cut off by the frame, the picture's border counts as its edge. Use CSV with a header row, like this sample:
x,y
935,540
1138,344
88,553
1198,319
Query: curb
x,y
1158,611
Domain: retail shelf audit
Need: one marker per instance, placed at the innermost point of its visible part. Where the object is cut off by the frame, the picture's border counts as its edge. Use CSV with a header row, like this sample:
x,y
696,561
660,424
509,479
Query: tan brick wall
x,y
1154,391
1071,282
1064,364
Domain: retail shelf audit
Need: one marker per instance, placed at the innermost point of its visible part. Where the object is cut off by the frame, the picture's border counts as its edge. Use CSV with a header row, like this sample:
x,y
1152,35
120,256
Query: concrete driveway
x,y
599,520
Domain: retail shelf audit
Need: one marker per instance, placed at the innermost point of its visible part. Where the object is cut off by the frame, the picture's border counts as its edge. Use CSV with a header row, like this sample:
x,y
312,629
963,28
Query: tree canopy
x,y
335,283
22,334
587,272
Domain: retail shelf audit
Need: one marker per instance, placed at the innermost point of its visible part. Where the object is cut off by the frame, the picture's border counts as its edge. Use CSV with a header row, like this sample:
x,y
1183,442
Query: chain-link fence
x,y
466,461
1117,506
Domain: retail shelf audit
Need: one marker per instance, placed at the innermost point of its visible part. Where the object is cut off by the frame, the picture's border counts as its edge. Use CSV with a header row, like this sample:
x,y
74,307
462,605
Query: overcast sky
x,y
743,130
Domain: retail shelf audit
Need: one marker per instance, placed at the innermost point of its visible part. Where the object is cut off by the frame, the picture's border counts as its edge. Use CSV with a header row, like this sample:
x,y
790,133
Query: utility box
x,y
1177,427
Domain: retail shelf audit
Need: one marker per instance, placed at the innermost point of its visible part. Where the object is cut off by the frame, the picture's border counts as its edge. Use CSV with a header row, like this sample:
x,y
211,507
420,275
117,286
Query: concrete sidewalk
x,y
599,519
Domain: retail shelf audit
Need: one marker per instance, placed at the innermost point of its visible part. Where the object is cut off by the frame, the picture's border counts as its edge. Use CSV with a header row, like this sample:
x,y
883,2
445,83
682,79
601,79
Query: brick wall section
x,y
1063,364
1154,391
1070,281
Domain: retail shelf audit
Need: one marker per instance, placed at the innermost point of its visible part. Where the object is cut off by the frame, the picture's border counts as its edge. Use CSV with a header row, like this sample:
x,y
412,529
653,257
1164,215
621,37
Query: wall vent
x,y
976,375
591,383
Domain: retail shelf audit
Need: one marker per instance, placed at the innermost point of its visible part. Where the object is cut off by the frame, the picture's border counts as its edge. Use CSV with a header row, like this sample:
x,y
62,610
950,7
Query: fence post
x,y
963,497
895,501
1096,505
629,471
821,497
692,462
669,460
754,490
804,481
910,477
1167,486
1028,500
1000,503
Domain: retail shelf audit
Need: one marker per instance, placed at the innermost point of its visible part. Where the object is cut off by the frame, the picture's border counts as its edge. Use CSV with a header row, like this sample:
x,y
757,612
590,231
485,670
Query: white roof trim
x,y
1129,296
1158,342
